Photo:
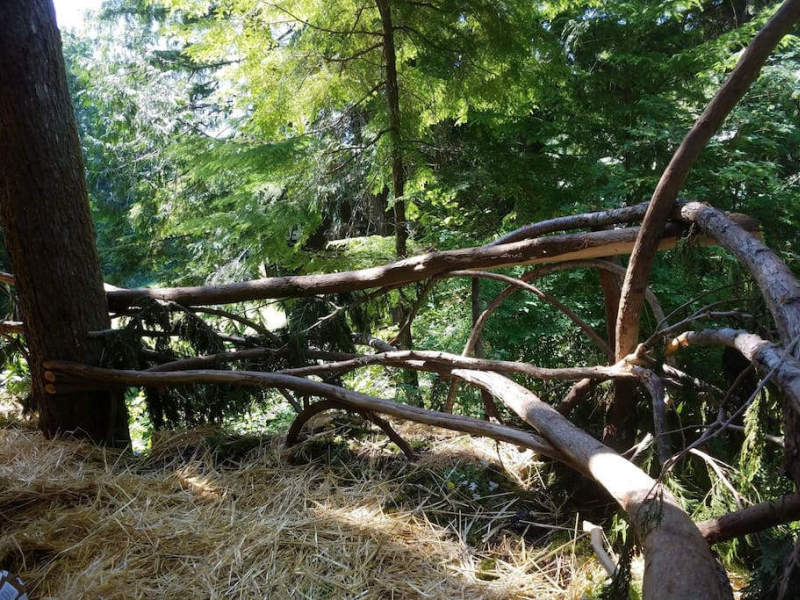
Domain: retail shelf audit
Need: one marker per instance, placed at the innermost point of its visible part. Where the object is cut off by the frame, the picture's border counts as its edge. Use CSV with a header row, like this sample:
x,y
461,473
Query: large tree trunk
x,y
45,216
404,339
393,100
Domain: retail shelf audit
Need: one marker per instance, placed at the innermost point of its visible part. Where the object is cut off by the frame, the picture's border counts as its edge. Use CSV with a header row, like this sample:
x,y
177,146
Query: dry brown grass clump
x,y
203,516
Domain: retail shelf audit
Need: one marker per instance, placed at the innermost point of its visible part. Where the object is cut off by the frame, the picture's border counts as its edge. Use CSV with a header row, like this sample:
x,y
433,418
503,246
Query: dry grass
x,y
206,517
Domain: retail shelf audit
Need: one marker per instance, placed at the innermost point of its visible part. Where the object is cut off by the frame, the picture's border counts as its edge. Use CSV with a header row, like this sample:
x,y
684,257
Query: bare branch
x,y
591,333
559,248
663,199
312,388
752,519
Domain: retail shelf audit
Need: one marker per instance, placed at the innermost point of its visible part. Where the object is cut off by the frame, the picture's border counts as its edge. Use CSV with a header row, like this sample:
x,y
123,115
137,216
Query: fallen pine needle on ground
x,y
205,515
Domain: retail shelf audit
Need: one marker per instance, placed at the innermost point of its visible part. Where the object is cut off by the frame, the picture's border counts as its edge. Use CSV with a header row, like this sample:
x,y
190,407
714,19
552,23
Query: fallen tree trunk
x,y
663,199
558,248
502,433
751,519
443,361
678,562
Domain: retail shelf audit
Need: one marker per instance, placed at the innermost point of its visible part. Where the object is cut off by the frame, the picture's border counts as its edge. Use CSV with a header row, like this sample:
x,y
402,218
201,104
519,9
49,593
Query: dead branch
x,y
677,557
324,405
373,342
636,450
213,360
751,519
559,248
578,391
596,537
257,327
674,375
590,332
502,433
712,463
655,387
663,199
614,216
678,562
767,357
542,271
780,289
777,440
443,362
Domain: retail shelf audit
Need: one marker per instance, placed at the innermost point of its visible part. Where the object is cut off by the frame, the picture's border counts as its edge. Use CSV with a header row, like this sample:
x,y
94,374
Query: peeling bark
x,y
559,248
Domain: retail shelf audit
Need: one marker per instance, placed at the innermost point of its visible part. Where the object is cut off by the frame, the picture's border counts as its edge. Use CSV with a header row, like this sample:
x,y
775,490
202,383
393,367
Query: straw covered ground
x,y
343,515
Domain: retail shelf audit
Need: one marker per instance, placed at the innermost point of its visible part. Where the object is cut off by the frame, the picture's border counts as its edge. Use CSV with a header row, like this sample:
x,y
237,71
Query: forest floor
x,y
342,515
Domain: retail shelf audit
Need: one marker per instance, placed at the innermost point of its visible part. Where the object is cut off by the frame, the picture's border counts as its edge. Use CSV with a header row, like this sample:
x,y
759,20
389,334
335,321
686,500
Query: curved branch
x,y
678,561
780,289
626,214
591,333
582,388
318,407
544,270
76,371
767,357
663,199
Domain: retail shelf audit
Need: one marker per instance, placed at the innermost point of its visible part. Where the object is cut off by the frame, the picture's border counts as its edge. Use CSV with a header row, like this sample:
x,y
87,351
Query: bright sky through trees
x,y
70,13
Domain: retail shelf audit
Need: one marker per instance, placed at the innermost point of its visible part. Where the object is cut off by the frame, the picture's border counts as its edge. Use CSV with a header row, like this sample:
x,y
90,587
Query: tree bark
x,y
48,229
614,216
780,289
557,248
663,199
395,133
619,432
678,562
751,519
